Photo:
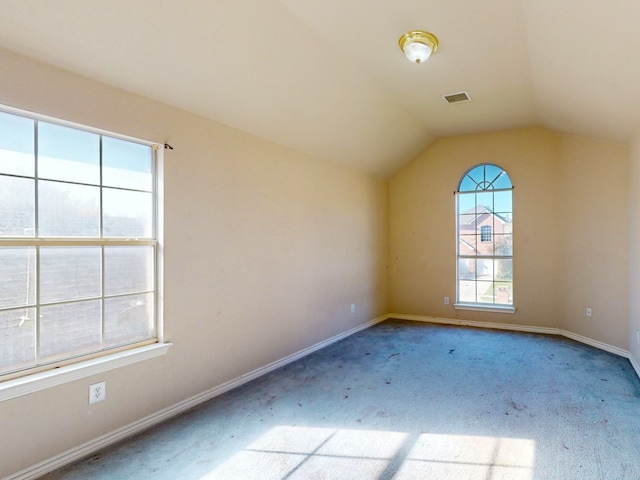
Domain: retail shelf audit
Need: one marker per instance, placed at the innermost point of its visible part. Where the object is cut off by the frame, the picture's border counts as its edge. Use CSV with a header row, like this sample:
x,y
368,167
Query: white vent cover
x,y
457,97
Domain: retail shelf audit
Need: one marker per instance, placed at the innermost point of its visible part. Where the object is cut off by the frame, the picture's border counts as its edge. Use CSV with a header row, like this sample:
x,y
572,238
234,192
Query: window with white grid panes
x,y
78,243
485,233
484,220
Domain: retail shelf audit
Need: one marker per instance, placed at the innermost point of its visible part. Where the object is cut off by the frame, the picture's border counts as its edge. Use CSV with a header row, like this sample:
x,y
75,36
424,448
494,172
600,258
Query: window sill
x,y
39,381
485,308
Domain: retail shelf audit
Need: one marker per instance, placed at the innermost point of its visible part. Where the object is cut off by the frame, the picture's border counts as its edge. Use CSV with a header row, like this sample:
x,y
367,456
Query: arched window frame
x,y
484,240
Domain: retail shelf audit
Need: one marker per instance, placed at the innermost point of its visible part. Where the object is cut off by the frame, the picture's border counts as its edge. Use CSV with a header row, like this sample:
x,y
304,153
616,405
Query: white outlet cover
x,y
97,392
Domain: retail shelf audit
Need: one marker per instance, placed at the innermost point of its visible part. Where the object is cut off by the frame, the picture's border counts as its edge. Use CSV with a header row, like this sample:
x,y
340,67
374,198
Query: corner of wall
x,y
634,253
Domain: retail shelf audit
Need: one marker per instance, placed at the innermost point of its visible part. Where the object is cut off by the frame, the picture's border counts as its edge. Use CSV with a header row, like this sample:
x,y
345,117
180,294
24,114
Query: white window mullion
x,y
36,320
36,234
101,210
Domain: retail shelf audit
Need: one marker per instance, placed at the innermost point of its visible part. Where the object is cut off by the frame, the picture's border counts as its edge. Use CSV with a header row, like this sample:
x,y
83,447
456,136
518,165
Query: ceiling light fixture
x,y
418,45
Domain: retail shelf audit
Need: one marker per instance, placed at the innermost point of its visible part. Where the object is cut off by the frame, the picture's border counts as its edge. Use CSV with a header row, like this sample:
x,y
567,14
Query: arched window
x,y
484,215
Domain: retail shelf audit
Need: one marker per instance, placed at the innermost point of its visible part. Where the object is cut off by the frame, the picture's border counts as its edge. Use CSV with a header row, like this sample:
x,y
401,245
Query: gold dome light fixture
x,y
418,45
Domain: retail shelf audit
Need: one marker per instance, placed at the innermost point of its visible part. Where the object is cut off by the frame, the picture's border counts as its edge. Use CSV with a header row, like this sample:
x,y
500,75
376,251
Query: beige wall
x,y
634,248
266,249
594,234
570,240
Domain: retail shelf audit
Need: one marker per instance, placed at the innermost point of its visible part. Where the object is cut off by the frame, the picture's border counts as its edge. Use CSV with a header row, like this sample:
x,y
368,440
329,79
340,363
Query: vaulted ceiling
x,y
327,77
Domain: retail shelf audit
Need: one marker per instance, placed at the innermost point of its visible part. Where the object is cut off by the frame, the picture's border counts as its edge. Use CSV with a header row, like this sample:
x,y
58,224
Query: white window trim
x,y
51,378
32,382
479,307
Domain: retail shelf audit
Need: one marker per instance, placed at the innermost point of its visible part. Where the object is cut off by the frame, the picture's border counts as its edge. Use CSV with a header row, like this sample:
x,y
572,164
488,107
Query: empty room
x,y
293,239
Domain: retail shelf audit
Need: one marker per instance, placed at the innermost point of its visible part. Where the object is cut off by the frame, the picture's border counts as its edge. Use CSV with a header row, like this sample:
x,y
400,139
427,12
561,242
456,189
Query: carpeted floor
x,y
405,400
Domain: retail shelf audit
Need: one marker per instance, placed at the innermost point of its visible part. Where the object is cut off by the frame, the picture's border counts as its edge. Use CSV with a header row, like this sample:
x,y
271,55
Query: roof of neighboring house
x,y
481,210
471,247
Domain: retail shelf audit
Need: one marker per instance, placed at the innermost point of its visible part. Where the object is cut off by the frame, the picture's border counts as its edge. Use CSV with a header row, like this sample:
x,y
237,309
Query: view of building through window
x,y
485,236
77,242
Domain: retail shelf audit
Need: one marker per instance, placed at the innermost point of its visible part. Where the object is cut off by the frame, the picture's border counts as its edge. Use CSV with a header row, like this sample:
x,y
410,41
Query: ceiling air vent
x,y
457,97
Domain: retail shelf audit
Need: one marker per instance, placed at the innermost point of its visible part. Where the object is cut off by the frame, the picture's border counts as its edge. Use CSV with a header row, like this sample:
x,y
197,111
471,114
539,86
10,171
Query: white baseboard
x,y
635,364
595,343
110,438
473,323
519,328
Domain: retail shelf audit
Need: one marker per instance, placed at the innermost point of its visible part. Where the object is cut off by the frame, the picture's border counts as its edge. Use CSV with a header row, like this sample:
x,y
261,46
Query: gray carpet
x,y
405,400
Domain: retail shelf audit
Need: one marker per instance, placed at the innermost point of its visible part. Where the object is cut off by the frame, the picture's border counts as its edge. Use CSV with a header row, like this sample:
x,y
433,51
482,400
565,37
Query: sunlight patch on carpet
x,y
305,452
462,457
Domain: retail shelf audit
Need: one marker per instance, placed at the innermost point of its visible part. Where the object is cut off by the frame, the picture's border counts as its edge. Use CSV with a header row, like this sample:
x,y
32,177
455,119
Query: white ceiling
x,y
326,76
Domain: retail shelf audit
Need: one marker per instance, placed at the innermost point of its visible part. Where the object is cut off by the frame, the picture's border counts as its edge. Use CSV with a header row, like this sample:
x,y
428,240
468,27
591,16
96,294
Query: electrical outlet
x,y
589,312
97,392
353,308
446,300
